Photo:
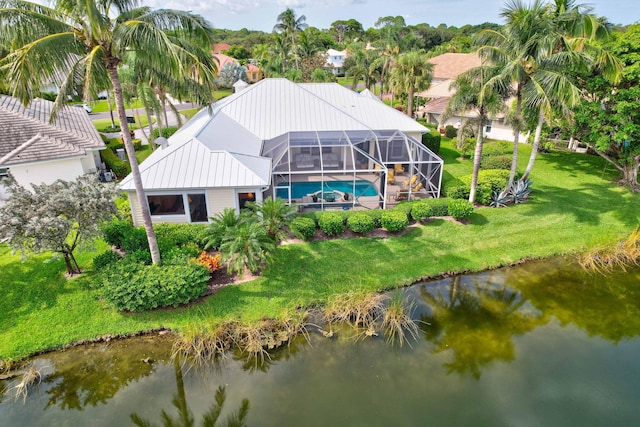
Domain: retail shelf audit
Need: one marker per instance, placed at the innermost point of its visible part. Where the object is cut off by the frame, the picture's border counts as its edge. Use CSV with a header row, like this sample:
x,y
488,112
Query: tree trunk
x,y
630,175
534,148
113,122
477,157
516,137
410,103
135,170
151,138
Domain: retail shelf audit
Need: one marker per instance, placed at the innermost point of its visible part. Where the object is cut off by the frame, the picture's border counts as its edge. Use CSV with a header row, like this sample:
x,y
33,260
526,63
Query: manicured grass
x,y
102,106
574,206
190,112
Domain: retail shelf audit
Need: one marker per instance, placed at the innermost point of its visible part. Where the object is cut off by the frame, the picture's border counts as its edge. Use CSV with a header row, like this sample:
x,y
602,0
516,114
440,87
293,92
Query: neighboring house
x,y
318,145
36,151
254,73
220,47
446,68
335,60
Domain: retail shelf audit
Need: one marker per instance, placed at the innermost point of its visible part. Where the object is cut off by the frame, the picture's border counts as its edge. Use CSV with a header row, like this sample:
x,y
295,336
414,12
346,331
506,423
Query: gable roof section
x,y
28,137
273,107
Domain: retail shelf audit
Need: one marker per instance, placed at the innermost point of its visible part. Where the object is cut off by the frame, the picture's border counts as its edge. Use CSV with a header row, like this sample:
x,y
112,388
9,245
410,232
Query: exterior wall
x,y
48,172
499,130
89,164
136,212
220,198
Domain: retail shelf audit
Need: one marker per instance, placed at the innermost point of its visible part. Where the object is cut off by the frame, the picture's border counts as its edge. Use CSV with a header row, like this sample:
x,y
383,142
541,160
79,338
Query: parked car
x,y
86,107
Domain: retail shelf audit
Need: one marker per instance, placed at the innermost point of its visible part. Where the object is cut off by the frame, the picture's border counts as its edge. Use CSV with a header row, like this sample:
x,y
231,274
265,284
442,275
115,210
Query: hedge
x,y
360,223
394,221
331,223
303,227
120,167
431,140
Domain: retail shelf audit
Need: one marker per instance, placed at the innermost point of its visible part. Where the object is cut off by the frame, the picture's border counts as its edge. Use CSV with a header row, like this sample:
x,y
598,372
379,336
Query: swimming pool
x,y
301,189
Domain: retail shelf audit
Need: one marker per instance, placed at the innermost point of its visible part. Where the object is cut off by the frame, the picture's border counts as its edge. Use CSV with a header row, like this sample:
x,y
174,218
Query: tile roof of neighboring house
x,y
220,47
438,90
436,106
222,60
450,65
27,135
252,68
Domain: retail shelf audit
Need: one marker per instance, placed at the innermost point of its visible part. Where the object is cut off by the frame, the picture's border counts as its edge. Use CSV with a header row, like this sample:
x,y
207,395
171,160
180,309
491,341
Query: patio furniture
x,y
411,182
391,176
330,160
398,168
304,161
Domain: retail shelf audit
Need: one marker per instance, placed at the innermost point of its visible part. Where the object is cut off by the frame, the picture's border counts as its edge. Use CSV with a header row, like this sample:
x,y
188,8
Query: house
x,y
220,47
36,151
335,60
316,145
254,73
446,68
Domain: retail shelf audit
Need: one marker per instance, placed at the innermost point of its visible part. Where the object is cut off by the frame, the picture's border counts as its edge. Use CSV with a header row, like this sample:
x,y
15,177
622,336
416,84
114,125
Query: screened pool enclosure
x,y
349,169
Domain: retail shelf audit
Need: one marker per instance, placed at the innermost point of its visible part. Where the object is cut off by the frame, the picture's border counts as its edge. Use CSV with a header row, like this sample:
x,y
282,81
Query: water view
x,y
539,344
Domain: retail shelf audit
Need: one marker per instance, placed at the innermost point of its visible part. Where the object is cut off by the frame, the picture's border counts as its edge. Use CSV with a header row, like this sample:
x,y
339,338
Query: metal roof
x,y
372,113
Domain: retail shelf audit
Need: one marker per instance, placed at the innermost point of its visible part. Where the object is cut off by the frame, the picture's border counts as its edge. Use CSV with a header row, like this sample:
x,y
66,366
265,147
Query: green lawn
x,y
574,206
101,106
102,124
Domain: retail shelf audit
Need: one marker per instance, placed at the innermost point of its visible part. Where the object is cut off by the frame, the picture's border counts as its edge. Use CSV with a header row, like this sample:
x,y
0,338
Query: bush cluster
x,y
460,209
120,167
105,259
489,181
303,227
166,132
182,234
394,221
431,140
138,287
496,162
331,223
360,223
421,211
450,131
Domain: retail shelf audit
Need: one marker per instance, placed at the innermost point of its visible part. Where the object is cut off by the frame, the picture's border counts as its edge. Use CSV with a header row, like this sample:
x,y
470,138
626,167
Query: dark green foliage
x,y
166,132
421,211
125,236
460,209
104,259
497,148
431,140
113,232
303,227
404,207
331,223
114,163
458,192
219,226
450,131
140,256
394,221
183,234
138,287
49,96
360,223
440,207
496,162
489,181
137,144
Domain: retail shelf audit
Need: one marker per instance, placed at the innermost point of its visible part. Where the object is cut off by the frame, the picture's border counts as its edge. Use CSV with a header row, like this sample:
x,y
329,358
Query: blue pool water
x,y
300,189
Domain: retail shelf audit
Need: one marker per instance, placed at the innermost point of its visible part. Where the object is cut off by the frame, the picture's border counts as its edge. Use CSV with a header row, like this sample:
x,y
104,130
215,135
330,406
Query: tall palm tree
x,y
365,68
85,42
472,94
289,24
411,72
384,62
535,54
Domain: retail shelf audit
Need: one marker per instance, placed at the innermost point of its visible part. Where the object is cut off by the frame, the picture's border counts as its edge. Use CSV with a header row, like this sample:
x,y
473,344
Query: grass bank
x,y
574,206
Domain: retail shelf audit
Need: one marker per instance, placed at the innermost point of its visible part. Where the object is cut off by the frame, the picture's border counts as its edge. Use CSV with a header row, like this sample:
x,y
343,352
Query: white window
x,y
487,129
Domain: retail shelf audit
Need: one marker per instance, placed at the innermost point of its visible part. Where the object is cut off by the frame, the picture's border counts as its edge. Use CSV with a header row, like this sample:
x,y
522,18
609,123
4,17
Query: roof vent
x,y
162,142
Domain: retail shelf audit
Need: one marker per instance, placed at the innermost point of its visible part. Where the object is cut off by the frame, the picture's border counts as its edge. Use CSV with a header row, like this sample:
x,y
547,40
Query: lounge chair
x,y
391,176
417,188
398,168
410,183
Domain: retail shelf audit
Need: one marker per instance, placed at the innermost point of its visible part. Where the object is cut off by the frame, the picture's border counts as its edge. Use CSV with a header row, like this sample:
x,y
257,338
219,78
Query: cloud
x,y
292,3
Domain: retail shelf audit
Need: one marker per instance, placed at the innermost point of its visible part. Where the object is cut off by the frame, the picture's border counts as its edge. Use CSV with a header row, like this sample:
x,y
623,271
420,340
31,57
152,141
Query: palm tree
x,y
365,68
290,25
246,246
280,50
275,215
85,42
411,72
472,94
384,62
535,54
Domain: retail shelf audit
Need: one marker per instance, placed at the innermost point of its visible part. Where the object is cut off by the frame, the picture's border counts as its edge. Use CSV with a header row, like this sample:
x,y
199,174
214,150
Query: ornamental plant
x,y
394,221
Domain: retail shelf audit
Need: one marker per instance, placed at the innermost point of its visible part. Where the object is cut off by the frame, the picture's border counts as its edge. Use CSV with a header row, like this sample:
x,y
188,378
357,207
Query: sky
x,y
262,14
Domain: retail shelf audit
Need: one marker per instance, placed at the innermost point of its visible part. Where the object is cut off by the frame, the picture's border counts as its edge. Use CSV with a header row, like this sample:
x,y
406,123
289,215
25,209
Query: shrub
x,y
421,211
439,207
404,207
450,131
303,227
114,144
137,287
113,232
113,162
331,223
105,259
394,221
137,144
183,234
460,209
489,181
166,132
496,162
431,140
497,148
376,216
458,192
141,256
360,223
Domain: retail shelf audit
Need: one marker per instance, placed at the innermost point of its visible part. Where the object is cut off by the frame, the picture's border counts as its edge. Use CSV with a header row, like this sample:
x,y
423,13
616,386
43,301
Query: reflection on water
x,y
538,344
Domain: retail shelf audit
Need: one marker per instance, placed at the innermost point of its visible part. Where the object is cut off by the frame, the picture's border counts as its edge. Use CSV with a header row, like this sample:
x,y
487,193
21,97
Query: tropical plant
x,y
411,73
500,199
303,227
520,191
82,43
246,246
218,227
56,217
288,24
275,214
364,68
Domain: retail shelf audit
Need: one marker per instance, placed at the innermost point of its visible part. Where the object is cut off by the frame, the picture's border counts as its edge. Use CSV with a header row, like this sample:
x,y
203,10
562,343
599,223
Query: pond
x,y
538,344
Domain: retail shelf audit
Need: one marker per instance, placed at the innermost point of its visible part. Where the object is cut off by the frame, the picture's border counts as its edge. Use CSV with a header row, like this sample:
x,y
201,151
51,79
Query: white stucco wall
x,y
499,130
48,172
